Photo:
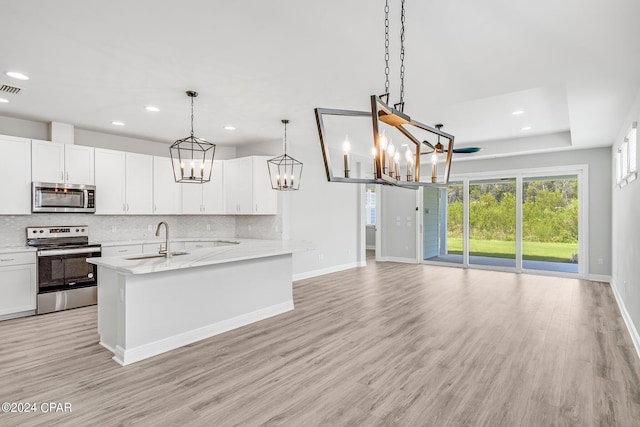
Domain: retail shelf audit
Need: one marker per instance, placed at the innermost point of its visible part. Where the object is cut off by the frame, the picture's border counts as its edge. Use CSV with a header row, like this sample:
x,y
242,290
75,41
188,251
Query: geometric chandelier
x,y
389,165
192,157
285,172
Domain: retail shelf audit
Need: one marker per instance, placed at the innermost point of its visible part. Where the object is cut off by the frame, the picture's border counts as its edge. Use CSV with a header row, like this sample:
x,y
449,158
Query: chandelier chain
x,y
386,46
191,117
285,137
402,19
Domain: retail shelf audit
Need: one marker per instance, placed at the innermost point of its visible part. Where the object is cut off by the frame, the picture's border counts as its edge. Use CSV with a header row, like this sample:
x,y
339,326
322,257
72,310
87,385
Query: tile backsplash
x,y
104,228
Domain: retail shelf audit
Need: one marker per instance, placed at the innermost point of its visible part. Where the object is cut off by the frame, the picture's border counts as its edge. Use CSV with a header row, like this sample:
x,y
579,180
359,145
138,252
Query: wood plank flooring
x,y
389,344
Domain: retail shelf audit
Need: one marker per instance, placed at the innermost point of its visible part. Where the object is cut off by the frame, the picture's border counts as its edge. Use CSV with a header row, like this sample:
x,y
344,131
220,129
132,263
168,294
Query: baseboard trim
x,y
18,314
132,355
635,337
397,259
328,270
599,278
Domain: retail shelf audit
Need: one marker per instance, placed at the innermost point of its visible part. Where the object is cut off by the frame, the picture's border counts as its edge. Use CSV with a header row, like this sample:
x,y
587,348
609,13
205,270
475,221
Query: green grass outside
x,y
534,251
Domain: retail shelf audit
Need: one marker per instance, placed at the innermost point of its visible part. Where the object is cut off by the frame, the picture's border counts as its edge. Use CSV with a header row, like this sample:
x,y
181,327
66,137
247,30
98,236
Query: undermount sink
x,y
149,256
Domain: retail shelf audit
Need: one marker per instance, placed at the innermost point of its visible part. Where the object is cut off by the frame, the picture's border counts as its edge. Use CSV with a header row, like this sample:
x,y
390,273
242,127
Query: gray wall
x,y
599,161
626,232
430,222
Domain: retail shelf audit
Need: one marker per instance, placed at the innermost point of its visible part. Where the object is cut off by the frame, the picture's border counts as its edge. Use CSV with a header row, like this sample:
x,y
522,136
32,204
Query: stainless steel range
x,y
65,279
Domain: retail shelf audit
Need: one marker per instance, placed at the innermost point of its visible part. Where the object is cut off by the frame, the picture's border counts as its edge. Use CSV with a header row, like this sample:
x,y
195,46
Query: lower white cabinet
x,y
122,250
198,245
17,283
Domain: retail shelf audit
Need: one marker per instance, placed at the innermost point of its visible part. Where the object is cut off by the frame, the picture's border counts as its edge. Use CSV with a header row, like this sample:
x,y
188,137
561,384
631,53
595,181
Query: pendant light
x,y
285,171
192,157
386,165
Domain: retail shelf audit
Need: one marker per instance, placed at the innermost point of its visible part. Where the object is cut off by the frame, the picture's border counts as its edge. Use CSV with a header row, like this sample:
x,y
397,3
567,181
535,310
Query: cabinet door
x,y
47,161
191,199
15,173
79,164
167,194
238,181
213,198
110,182
265,198
18,288
139,184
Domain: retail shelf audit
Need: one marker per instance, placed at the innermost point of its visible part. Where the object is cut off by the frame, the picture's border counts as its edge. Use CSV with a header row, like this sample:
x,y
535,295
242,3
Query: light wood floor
x,y
389,344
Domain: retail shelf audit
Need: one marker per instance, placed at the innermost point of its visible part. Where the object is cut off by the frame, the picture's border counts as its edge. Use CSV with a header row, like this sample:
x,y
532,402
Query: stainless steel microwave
x,y
52,197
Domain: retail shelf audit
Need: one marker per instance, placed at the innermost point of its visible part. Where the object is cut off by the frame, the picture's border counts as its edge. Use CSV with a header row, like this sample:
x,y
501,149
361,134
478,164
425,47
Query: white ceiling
x,y
571,65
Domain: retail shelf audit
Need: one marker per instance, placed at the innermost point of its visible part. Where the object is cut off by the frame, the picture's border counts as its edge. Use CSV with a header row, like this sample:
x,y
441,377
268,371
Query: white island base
x,y
143,315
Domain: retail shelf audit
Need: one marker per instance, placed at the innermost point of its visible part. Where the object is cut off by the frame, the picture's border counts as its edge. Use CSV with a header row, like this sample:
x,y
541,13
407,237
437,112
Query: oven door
x,y
60,269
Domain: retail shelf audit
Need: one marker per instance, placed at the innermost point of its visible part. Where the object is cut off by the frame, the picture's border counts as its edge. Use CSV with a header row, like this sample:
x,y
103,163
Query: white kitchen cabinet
x,y
62,163
15,174
198,245
139,184
17,284
122,250
167,193
124,183
110,182
247,187
207,198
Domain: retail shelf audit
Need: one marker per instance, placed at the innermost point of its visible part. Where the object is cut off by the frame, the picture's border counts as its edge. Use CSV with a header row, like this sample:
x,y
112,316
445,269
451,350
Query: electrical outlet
x,y
149,227
113,229
249,227
600,261
406,248
320,257
208,227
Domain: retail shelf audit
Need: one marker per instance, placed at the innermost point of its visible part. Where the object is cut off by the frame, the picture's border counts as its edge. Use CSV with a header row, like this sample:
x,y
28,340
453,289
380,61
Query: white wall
x,y
599,161
626,235
430,222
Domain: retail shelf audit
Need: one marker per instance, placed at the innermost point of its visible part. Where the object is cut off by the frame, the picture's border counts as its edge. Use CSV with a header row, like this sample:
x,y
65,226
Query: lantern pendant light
x,y
285,171
192,157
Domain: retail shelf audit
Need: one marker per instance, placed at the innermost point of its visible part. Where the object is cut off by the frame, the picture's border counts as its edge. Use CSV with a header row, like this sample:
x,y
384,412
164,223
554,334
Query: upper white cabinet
x,y
124,183
62,163
15,173
167,193
247,187
207,198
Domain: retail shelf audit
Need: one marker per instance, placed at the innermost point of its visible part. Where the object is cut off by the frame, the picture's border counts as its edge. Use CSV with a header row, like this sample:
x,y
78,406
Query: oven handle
x,y
54,252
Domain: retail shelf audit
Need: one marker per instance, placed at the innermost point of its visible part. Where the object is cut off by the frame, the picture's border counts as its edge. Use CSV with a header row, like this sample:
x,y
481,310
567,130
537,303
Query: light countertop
x,y
245,250
154,240
15,249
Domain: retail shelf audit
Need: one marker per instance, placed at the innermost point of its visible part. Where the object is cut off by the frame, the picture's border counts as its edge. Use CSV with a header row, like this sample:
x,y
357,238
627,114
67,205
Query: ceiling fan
x,y
439,148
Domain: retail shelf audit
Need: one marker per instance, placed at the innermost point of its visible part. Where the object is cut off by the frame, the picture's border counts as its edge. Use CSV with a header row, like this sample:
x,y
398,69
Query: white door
x,y
110,182
139,184
15,173
47,161
167,194
79,164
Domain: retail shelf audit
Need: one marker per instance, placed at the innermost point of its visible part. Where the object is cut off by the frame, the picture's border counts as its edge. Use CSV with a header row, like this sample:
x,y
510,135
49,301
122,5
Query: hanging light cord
x,y
285,137
402,18
386,46
192,117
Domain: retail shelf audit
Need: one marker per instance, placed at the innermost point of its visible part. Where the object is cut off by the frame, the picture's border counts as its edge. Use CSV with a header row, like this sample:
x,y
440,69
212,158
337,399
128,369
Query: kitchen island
x,y
149,305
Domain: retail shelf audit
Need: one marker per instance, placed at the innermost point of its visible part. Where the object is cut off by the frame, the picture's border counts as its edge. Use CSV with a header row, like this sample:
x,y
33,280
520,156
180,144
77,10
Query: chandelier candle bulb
x,y
396,165
390,152
383,149
346,146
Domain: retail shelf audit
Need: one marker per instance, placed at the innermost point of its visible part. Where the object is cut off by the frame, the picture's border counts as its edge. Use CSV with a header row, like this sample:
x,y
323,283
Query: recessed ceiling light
x,y
517,112
117,123
17,75
526,128
151,108
229,127
4,101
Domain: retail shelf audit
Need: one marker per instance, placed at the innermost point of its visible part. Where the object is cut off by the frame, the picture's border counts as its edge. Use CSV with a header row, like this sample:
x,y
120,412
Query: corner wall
x,y
626,236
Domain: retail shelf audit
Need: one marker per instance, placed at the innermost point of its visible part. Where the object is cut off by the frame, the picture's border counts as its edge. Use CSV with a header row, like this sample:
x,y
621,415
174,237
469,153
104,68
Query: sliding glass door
x,y
523,222
492,222
550,223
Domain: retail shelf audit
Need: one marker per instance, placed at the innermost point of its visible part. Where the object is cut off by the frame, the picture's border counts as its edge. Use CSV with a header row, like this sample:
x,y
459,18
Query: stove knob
x,y
34,231
41,231
77,230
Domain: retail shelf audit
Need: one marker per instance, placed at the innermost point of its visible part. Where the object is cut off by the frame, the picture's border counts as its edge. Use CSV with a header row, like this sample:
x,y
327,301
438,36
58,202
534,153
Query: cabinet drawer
x,y
17,258
198,245
121,250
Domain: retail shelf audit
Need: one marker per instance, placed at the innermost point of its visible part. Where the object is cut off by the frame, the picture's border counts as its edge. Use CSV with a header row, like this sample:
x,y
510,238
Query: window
x,y
370,205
